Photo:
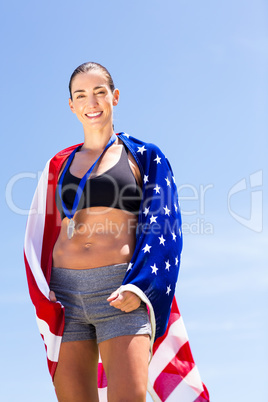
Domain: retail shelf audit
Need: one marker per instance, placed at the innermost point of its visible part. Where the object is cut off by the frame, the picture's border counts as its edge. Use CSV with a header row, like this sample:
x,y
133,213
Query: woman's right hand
x,y
52,296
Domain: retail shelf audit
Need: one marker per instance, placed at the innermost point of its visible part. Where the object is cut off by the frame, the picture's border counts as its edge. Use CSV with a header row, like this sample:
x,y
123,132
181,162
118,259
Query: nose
x,y
92,100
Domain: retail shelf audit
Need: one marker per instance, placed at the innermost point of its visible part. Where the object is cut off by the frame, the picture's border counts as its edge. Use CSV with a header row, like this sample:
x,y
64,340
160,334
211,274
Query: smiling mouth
x,y
93,115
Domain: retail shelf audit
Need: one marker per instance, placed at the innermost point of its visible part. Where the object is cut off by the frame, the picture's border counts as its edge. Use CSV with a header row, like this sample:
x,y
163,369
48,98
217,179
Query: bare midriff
x,y
103,236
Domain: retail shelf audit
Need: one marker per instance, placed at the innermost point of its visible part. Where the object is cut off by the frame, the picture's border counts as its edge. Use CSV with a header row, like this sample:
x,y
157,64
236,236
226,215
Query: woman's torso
x,y
103,235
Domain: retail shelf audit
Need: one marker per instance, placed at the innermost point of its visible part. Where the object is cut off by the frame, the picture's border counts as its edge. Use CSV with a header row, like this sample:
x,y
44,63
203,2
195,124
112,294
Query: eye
x,y
101,93
80,96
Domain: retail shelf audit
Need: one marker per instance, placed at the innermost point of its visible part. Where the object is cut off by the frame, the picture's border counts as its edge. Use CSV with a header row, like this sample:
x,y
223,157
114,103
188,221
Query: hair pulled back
x,y
85,67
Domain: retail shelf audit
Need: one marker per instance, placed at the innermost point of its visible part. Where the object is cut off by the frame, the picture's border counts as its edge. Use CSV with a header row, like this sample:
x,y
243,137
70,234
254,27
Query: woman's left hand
x,y
125,301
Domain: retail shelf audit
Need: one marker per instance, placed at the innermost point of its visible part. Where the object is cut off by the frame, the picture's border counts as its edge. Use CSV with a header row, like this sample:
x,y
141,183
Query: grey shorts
x,y
88,315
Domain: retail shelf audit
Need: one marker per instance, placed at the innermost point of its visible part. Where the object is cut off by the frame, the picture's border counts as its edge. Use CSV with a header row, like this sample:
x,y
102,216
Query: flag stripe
x,y
103,394
187,390
174,316
35,224
174,372
152,392
102,380
52,341
168,349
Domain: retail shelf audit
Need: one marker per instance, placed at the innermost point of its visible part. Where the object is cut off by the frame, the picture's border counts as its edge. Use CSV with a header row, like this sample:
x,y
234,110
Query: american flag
x,y
152,273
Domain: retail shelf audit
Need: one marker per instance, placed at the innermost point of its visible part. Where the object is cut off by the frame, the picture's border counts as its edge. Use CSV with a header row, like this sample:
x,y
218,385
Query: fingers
x,y
52,296
113,296
125,301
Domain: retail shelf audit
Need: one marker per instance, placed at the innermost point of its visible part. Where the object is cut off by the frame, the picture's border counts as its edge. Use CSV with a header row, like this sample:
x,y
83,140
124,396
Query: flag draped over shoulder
x,y
152,273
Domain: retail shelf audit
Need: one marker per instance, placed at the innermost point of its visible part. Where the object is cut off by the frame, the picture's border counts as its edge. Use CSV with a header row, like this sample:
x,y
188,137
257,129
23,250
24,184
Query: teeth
x,y
93,114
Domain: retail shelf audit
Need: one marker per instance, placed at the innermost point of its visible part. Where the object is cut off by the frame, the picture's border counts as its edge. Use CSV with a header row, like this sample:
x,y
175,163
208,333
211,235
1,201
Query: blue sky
x,y
193,80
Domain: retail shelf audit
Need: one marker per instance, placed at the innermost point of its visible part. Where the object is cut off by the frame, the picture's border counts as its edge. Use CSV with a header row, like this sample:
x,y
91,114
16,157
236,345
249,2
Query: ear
x,y
116,97
71,105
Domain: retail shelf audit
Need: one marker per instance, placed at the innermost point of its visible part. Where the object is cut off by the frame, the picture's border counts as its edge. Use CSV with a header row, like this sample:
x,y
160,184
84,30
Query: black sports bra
x,y
115,188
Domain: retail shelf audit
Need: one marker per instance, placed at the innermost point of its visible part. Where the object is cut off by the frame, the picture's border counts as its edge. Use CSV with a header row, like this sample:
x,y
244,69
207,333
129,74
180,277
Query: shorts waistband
x,y
124,264
88,279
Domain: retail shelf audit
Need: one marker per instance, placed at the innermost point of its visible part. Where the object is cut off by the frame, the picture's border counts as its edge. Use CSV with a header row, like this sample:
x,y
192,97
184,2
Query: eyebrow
x,y
79,90
94,89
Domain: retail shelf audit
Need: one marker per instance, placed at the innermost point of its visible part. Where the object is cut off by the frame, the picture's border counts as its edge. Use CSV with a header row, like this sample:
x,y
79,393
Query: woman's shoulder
x,y
66,151
58,159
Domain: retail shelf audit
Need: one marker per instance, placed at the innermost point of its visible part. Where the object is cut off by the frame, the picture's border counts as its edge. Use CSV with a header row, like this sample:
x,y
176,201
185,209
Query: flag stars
x,y
162,240
168,290
154,269
168,182
176,208
177,261
167,211
141,149
146,211
126,135
157,189
153,219
145,179
167,265
157,159
130,265
146,249
174,236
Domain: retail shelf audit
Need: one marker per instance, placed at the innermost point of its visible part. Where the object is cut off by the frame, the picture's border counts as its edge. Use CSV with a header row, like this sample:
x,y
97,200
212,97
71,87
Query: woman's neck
x,y
96,140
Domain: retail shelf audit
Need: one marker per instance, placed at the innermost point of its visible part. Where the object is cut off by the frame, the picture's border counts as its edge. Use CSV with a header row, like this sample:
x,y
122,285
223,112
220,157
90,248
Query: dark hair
x,y
85,67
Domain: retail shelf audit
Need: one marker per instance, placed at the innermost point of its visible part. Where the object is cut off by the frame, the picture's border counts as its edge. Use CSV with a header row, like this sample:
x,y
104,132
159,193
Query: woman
x,y
108,243
94,244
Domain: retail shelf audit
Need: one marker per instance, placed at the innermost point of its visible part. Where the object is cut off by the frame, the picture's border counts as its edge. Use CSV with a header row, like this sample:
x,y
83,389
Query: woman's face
x,y
93,100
